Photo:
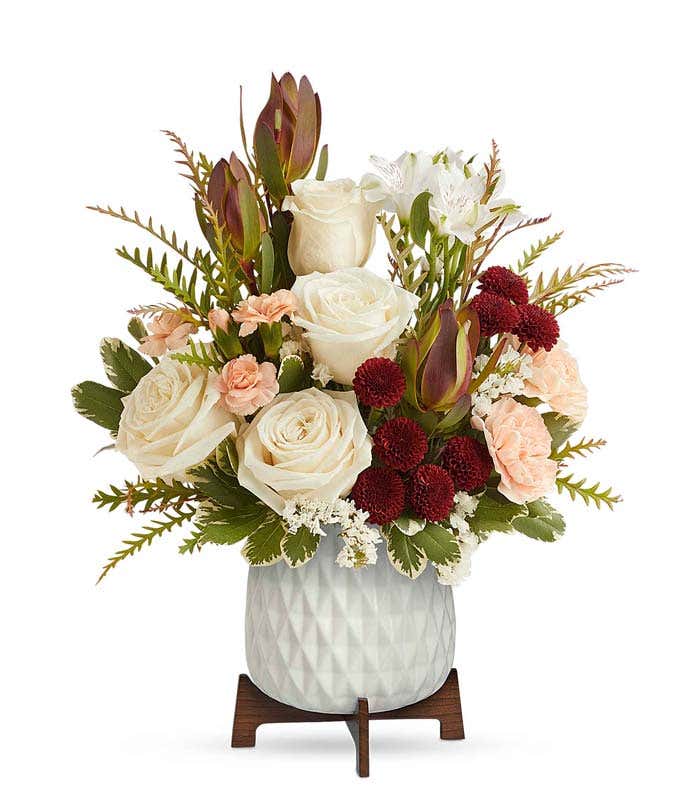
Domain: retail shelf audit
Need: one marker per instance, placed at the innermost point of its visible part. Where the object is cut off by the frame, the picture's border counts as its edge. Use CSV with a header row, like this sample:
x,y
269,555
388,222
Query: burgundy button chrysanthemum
x,y
381,493
400,443
430,492
537,327
468,462
379,383
496,314
502,281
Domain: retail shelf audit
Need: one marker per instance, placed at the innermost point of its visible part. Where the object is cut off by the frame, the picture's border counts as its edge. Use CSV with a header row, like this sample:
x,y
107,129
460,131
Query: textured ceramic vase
x,y
320,636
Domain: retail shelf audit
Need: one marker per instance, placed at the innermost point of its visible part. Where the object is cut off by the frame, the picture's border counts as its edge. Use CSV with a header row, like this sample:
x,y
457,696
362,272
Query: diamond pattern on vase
x,y
320,636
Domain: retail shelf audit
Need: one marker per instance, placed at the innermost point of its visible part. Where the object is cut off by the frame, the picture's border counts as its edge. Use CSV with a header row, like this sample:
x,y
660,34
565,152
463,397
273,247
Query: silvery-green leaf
x,y
542,522
409,525
299,547
124,366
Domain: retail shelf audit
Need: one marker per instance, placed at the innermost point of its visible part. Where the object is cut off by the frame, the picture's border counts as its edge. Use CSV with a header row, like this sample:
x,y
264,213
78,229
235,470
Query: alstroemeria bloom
x,y
455,208
398,182
268,309
169,331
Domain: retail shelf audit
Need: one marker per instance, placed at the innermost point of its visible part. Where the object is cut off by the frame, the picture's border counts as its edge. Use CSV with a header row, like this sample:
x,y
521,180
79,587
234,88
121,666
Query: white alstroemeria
x,y
398,182
455,208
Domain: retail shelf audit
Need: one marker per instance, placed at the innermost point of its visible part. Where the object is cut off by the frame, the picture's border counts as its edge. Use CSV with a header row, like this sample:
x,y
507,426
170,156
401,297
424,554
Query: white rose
x,y
310,443
350,316
172,420
333,226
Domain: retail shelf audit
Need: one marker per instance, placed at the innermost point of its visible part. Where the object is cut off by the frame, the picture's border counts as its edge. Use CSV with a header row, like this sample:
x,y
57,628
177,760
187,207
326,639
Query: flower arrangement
x,y
284,391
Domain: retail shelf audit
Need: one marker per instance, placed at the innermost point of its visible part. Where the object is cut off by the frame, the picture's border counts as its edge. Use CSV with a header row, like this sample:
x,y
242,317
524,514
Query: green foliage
x,y
172,280
419,220
560,428
438,544
192,543
542,522
146,494
263,546
581,448
529,257
494,513
137,329
267,265
226,457
322,166
268,163
201,355
292,375
220,486
227,525
559,284
298,548
124,366
403,553
100,404
595,493
171,519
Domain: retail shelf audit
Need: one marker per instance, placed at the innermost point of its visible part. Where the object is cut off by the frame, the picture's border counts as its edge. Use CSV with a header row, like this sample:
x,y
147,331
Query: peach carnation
x,y
268,309
519,443
246,385
168,332
555,380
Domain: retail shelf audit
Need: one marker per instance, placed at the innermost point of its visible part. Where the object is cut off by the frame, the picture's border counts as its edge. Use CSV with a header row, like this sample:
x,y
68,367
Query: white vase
x,y
320,636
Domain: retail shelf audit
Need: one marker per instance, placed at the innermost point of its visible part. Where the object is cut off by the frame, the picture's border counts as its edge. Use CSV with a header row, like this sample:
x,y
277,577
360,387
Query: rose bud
x,y
287,133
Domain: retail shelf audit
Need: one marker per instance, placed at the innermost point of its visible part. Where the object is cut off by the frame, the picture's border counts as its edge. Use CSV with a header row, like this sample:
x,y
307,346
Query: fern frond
x,y
172,280
149,494
529,257
568,300
202,355
560,282
593,493
492,169
171,519
582,448
192,543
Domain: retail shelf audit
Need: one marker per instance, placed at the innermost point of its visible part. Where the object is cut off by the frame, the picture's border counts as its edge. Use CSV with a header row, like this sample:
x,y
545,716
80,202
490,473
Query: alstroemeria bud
x,y
287,130
234,200
448,366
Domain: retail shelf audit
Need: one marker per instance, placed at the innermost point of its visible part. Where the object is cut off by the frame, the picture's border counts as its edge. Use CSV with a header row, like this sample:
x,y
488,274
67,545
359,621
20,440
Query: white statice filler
x,y
508,378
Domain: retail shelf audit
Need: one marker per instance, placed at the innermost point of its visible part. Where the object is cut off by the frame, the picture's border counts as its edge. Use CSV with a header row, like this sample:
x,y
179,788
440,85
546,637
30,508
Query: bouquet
x,y
282,391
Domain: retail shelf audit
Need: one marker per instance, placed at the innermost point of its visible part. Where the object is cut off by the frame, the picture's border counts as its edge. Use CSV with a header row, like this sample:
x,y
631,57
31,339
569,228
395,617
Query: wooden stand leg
x,y
254,708
358,728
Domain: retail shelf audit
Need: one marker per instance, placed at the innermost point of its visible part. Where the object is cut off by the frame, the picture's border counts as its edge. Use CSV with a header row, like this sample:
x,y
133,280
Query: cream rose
x,y
333,226
350,316
310,442
172,420
555,380
519,443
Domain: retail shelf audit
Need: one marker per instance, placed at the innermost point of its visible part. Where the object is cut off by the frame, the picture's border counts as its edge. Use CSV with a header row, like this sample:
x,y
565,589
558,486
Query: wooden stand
x,y
254,708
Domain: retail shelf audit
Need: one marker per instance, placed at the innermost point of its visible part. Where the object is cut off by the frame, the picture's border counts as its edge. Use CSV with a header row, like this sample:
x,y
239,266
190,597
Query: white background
x,y
567,654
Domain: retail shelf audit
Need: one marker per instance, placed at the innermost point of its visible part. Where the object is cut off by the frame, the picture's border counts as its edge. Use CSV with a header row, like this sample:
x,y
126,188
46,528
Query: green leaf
x,y
322,166
100,404
419,221
268,162
263,546
124,366
542,522
299,547
438,544
292,375
403,553
137,329
250,217
226,457
409,524
222,488
560,428
267,267
494,513
280,231
226,525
